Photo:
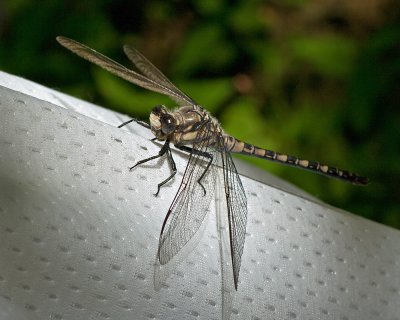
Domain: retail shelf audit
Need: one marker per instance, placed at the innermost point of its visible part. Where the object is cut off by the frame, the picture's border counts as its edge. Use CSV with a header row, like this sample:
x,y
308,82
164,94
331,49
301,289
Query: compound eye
x,y
167,124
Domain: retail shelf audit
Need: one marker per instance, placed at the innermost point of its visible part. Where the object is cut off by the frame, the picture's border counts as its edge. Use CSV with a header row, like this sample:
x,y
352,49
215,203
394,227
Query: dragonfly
x,y
192,129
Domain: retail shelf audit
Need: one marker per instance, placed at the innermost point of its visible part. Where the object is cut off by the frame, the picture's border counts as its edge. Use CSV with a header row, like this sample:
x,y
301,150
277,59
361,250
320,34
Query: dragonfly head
x,y
162,122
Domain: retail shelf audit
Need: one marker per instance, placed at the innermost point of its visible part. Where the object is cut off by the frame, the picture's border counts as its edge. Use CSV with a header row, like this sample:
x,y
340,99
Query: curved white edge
x,y
79,232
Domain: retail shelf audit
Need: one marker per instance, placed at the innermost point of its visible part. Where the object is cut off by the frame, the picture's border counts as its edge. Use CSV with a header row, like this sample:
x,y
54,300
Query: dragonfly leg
x,y
173,167
142,123
164,150
199,153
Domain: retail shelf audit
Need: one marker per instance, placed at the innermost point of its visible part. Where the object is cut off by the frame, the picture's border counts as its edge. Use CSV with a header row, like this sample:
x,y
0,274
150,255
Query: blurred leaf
x,y
246,18
205,46
273,62
331,55
208,92
207,7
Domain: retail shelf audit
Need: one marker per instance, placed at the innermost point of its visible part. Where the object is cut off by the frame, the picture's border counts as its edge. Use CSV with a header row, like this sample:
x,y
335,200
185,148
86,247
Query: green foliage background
x,y
317,79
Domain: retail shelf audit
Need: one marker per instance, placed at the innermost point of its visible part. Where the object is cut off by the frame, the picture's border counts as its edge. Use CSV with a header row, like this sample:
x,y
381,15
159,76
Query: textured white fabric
x,y
79,232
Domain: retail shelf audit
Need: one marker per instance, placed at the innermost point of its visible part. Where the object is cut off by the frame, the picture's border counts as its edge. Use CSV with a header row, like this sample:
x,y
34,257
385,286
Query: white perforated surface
x,y
79,232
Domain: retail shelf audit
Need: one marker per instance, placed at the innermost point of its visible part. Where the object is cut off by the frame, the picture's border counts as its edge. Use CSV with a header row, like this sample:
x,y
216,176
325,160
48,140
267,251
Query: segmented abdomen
x,y
236,146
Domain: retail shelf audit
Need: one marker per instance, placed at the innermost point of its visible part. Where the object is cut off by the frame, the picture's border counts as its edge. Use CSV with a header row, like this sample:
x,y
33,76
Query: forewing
x,y
190,204
119,70
237,211
153,73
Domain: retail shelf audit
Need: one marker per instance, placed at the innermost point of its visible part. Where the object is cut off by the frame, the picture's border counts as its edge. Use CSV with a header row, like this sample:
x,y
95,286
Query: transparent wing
x,y
152,72
123,72
237,211
190,204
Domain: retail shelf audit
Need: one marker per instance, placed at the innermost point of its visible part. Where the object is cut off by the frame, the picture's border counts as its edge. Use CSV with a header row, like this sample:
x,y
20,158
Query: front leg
x,y
164,150
173,167
142,123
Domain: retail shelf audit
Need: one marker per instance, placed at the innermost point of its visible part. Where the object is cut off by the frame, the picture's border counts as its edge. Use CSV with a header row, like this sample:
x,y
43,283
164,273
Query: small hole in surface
x,y
202,282
104,151
187,294
125,305
342,289
104,315
311,293
259,289
94,277
30,307
320,282
26,287
339,259
324,312
373,284
267,211
170,305
89,163
9,230
70,269
16,250
194,313
89,258
74,288
63,125
363,295
270,307
330,271
281,228
332,300
303,304
289,285
352,277
281,296
353,306
121,287
140,276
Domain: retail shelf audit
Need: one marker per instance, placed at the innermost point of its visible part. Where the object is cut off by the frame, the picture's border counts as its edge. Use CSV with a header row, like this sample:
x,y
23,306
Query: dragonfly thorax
x,y
162,122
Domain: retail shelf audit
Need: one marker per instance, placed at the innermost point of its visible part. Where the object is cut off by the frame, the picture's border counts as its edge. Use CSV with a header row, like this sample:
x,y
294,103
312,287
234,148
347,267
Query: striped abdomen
x,y
236,146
